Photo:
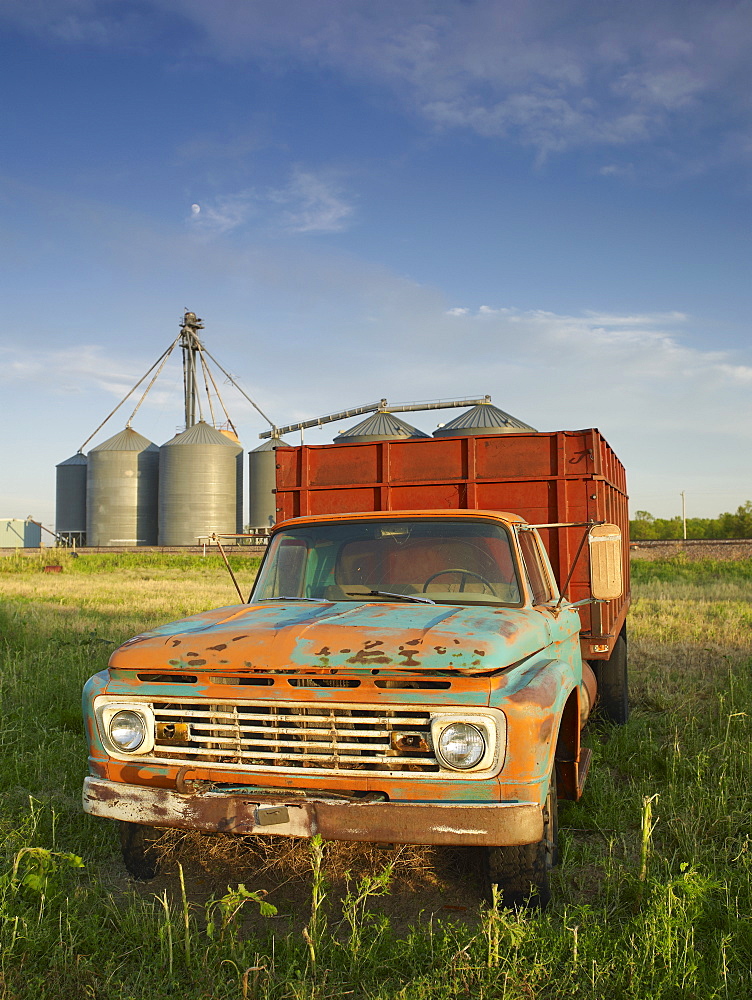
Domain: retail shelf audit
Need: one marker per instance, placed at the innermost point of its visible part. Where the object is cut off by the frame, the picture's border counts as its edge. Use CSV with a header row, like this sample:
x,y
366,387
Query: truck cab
x,y
401,677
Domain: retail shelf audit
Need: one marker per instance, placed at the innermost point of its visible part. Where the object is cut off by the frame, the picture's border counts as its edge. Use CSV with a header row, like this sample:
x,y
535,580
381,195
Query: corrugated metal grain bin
x,y
70,498
122,490
262,481
200,486
571,476
18,534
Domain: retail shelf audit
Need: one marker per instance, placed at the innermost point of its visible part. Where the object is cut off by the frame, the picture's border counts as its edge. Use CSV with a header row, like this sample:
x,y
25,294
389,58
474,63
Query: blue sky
x,y
413,199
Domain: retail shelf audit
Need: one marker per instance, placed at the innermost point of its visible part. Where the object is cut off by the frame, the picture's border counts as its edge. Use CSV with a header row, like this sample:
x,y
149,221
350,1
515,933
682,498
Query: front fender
x,y
533,699
97,754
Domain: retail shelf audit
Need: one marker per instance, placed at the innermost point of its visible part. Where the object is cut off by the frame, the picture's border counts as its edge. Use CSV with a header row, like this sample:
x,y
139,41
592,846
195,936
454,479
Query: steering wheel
x,y
463,573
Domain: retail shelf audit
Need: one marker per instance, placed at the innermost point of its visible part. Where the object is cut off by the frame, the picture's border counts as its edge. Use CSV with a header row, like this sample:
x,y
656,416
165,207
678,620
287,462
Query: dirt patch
x,y
427,883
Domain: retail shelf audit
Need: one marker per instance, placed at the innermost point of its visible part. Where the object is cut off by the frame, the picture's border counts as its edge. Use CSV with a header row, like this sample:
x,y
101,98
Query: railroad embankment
x,y
693,548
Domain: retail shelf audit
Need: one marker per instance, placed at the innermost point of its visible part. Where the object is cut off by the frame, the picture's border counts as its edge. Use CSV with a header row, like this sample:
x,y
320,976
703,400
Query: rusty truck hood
x,y
288,635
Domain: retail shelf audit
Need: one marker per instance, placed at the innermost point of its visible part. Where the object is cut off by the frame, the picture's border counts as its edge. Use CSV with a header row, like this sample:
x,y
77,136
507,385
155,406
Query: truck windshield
x,y
444,560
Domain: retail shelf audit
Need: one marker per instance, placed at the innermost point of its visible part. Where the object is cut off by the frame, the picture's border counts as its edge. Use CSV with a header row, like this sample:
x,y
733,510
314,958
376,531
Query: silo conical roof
x,y
126,440
380,426
201,433
484,418
78,459
270,444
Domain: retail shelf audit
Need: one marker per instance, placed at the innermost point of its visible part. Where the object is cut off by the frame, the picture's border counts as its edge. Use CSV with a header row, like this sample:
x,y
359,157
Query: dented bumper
x,y
217,811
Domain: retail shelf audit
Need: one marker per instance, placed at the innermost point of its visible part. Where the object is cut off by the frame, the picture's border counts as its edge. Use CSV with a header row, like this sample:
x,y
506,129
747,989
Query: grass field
x,y
653,897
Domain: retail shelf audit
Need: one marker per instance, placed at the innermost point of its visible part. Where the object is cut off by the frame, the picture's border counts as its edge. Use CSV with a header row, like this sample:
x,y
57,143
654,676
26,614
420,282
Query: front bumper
x,y
215,811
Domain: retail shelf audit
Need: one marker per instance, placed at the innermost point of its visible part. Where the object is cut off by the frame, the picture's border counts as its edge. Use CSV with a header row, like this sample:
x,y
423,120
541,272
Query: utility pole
x,y
683,495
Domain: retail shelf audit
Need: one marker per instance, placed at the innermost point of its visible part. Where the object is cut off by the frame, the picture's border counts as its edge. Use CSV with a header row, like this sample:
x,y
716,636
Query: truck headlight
x,y
128,730
461,745
125,727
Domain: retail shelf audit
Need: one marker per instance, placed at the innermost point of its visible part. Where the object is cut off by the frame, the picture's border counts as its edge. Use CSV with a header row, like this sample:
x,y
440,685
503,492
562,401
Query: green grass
x,y
115,562
680,571
652,898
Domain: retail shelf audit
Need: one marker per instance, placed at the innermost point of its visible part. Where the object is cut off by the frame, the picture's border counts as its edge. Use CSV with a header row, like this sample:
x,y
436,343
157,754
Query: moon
x,y
195,209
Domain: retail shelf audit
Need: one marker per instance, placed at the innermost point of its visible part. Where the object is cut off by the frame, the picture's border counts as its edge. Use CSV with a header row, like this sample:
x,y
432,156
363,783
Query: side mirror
x,y
606,579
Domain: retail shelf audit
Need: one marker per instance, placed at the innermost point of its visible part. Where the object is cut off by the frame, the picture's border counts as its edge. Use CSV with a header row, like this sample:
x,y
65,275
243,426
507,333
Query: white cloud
x,y
625,170
669,89
602,364
224,213
311,202
84,368
667,404
736,373
314,203
632,320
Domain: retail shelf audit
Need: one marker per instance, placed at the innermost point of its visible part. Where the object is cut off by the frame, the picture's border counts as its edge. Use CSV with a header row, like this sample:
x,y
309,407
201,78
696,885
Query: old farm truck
x,y
429,630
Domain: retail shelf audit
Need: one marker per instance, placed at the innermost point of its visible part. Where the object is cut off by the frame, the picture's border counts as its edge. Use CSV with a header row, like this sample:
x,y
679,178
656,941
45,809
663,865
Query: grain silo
x,y
70,499
262,481
482,419
380,426
200,486
122,490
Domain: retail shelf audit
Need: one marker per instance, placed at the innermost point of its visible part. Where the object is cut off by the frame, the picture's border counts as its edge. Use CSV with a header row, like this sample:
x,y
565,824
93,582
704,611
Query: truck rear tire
x,y
613,687
522,873
139,854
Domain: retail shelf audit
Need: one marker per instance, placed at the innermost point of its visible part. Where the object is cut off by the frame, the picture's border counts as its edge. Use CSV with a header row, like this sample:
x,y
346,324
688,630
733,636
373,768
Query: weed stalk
x,y
314,931
647,827
186,918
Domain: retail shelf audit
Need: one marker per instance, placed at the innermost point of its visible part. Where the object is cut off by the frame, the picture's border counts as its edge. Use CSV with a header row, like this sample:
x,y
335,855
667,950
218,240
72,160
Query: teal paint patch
x,y
418,697
126,687
343,636
545,683
96,685
467,792
413,636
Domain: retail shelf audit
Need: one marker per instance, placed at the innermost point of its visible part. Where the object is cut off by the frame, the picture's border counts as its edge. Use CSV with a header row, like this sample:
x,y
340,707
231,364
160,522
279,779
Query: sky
x,y
547,201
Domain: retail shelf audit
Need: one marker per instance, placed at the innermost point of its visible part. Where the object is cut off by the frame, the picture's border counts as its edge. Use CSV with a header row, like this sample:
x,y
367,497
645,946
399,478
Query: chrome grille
x,y
317,738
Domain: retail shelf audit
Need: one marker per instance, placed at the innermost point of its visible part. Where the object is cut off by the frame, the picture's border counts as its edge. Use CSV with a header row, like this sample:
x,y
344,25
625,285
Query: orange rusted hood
x,y
346,636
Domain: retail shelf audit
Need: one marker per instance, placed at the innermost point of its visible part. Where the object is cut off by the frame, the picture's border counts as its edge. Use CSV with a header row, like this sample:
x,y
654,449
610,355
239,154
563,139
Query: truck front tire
x,y
522,873
139,854
613,688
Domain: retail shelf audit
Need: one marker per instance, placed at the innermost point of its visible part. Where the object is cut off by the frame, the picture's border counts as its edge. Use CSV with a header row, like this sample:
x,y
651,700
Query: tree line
x,y
738,525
